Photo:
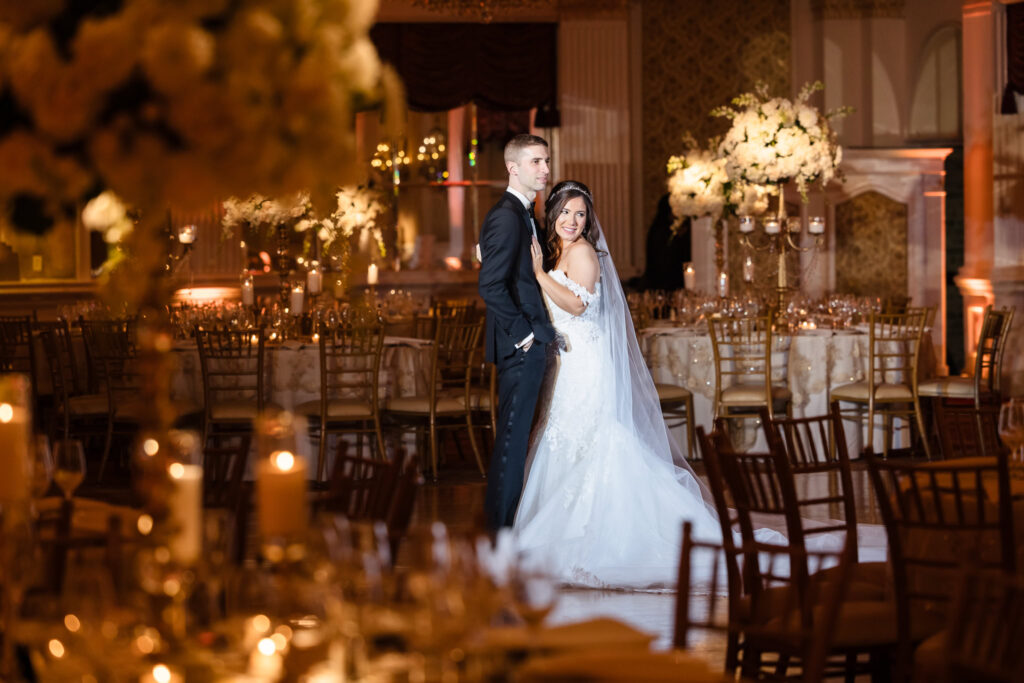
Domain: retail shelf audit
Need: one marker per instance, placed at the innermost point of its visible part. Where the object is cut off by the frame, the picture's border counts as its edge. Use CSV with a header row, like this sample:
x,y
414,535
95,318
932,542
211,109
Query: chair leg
x,y
433,448
322,451
473,444
382,451
921,429
690,440
106,448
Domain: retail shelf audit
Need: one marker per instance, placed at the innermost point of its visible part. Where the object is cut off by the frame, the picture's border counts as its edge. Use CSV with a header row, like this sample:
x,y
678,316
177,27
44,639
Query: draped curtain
x,y
507,67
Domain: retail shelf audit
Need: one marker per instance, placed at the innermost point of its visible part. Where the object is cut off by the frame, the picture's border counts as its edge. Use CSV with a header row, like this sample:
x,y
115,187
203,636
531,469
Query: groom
x,y
517,321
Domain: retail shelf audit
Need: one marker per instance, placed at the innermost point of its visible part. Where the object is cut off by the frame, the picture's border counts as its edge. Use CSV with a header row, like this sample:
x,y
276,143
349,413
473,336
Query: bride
x,y
605,493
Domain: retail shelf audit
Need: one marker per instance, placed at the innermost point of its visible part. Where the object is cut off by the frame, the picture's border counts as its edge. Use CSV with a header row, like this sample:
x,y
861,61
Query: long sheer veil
x,y
636,400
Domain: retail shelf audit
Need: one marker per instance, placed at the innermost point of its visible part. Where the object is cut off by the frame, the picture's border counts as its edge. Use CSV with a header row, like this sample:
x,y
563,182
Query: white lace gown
x,y
598,508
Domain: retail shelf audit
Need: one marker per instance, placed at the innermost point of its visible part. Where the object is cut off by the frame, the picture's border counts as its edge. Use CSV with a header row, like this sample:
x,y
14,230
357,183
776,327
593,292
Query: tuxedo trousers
x,y
519,380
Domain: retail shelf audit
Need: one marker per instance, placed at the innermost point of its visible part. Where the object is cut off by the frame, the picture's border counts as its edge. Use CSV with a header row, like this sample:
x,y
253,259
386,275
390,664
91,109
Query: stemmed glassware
x,y
42,466
69,465
1011,429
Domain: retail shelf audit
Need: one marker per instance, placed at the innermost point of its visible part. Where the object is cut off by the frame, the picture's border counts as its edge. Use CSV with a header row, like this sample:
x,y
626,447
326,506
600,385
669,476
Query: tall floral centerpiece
x,y
774,141
699,185
176,105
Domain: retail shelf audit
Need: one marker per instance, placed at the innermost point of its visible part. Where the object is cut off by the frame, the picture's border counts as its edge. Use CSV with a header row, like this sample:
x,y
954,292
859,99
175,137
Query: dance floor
x,y
457,500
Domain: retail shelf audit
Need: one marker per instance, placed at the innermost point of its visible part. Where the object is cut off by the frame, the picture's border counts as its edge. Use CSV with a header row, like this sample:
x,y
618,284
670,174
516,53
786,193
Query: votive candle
x,y
772,226
746,224
816,225
187,234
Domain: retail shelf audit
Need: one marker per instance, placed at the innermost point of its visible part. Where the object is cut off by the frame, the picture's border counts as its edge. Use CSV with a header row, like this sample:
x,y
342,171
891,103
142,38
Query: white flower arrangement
x,y
359,209
107,214
161,102
699,185
773,141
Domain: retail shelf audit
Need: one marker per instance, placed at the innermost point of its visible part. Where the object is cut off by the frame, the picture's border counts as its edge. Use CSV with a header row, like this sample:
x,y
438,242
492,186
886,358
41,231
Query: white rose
x,y
103,211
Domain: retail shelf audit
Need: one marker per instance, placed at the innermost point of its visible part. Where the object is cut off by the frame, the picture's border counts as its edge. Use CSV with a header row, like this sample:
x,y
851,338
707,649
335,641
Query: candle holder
x,y
781,236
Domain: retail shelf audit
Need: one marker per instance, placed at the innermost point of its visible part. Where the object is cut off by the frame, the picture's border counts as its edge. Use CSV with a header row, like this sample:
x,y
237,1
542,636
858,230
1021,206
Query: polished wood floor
x,y
456,499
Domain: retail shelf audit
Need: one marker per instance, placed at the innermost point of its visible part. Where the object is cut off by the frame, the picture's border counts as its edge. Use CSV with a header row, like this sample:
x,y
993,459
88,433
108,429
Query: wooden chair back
x,y
456,344
939,518
233,366
742,348
817,445
225,457
988,361
986,629
350,359
967,431
894,346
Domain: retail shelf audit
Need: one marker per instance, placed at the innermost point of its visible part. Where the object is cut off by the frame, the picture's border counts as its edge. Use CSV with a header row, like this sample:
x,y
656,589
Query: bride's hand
x,y
537,255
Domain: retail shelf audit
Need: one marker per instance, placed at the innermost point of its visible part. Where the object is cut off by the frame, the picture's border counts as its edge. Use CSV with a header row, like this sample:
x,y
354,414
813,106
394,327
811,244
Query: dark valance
x,y
508,67
1015,46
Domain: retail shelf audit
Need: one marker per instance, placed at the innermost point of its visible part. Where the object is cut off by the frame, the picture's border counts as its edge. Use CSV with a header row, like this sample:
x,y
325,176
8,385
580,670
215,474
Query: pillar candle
x,y
185,504
371,274
314,280
281,495
14,453
248,291
296,300
689,277
723,285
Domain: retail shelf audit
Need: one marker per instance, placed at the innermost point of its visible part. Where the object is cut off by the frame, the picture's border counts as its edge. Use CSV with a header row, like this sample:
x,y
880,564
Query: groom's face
x,y
532,167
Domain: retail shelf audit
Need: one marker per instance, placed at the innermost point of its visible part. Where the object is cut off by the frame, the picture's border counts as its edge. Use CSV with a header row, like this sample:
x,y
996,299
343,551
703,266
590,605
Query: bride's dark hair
x,y
560,194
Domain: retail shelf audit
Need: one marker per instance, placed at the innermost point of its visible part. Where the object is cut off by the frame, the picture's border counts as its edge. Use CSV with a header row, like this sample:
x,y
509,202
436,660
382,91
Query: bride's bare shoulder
x,y
581,263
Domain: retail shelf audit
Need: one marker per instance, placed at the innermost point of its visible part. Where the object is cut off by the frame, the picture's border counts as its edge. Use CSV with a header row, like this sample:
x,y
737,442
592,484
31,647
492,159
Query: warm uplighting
x,y
206,294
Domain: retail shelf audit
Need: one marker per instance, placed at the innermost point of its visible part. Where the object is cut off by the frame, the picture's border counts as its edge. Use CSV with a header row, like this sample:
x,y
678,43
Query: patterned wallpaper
x,y
696,56
871,246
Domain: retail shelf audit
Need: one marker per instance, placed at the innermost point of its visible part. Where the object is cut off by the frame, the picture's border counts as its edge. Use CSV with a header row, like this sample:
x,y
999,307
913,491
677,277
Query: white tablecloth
x,y
816,361
293,371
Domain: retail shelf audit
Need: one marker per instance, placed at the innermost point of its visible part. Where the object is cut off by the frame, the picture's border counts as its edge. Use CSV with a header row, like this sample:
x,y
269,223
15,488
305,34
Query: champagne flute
x,y
42,466
69,463
1011,428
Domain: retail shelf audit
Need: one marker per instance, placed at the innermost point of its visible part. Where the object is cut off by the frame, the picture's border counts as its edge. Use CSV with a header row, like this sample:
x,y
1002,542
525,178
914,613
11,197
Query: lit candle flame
x,y
6,412
283,460
176,470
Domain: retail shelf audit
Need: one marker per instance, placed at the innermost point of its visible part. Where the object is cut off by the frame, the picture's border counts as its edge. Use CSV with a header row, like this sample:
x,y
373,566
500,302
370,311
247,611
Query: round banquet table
x,y
293,371
812,361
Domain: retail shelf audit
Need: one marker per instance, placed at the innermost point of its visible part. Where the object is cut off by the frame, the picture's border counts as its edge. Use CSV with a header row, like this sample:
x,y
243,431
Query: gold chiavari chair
x,y
745,378
75,412
677,409
448,403
233,364
350,402
984,384
890,388
110,344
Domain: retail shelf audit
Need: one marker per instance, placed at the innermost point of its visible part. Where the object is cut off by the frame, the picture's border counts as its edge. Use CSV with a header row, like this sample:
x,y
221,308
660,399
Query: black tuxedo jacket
x,y
515,307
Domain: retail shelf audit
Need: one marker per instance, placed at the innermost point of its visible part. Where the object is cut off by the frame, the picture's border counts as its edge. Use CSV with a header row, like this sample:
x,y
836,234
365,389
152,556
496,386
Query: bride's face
x,y
571,221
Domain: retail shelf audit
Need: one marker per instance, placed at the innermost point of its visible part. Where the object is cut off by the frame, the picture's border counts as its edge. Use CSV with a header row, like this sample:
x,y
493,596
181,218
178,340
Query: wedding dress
x,y
604,500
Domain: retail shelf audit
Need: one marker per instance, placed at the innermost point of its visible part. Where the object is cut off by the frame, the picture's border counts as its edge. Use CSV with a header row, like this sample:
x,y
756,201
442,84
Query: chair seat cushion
x,y
931,658
858,391
420,405
480,398
954,387
745,394
89,404
232,410
670,393
339,409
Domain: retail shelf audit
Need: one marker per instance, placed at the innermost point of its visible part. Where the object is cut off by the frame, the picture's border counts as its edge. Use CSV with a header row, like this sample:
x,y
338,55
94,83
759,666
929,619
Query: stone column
x,y
979,80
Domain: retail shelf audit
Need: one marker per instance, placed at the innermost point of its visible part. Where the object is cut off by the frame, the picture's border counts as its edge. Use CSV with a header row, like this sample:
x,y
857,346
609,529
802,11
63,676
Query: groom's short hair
x,y
515,146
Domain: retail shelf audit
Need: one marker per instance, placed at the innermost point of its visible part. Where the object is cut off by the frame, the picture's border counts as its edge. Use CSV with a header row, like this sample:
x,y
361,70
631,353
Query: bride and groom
x,y
605,490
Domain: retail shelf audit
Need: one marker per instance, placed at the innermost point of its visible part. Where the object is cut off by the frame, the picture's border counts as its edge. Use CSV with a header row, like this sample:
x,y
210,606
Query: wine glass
x,y
534,593
69,465
1011,428
42,466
